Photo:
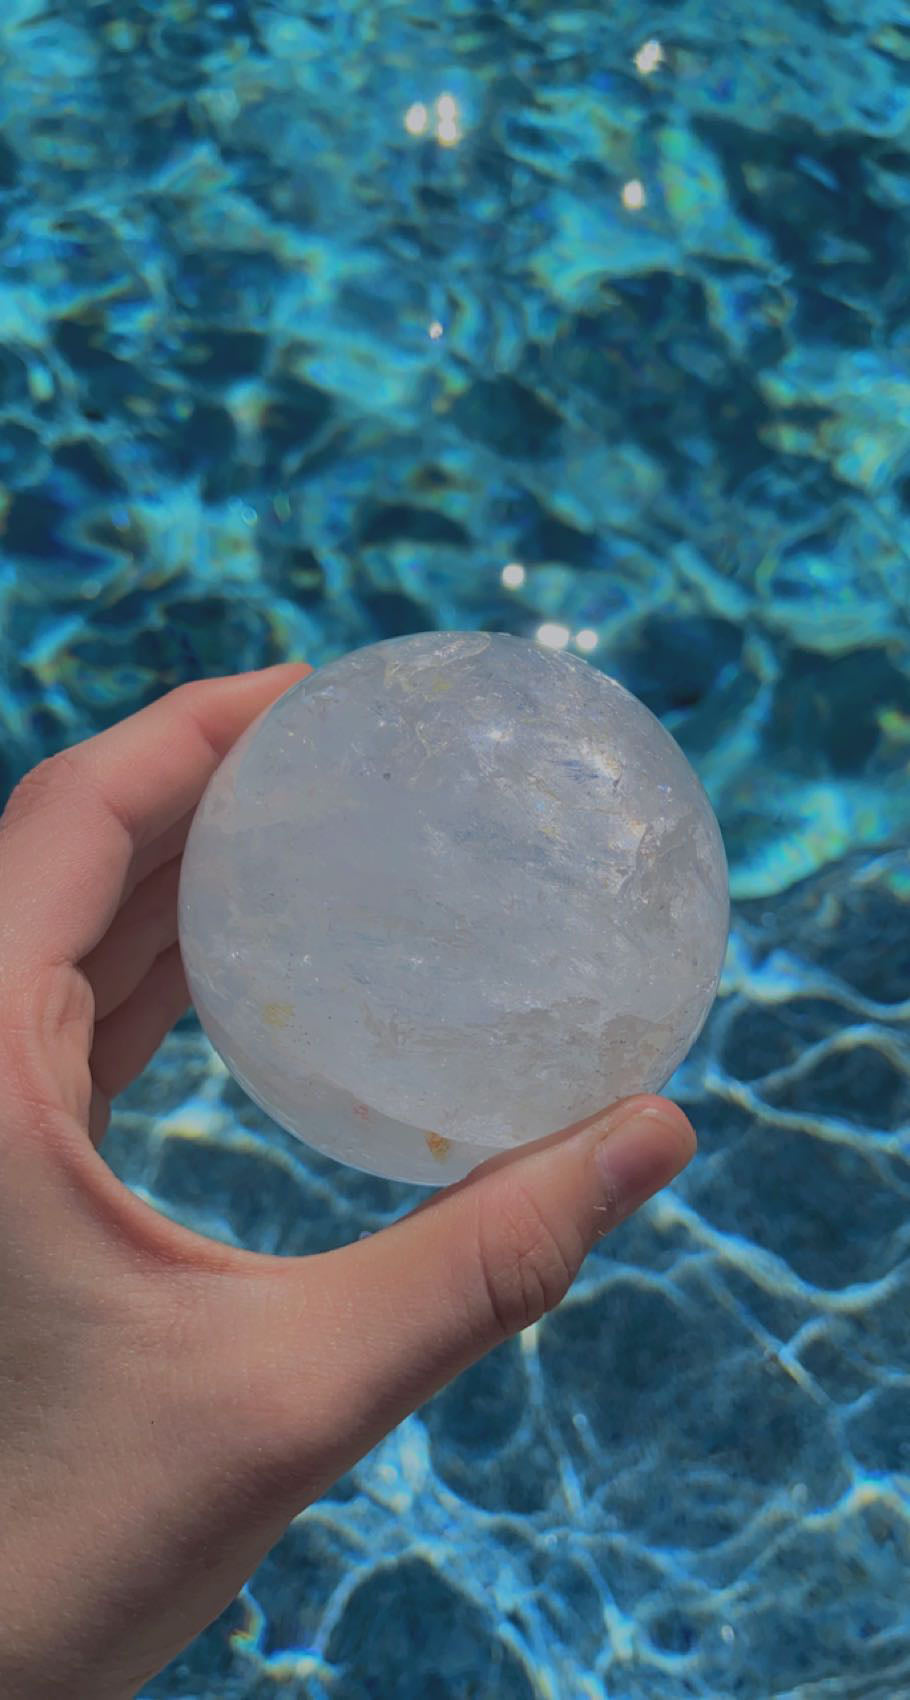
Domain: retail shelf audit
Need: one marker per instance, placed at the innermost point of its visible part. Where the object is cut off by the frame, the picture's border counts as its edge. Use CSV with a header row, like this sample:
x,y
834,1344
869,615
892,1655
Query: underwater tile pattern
x,y
313,318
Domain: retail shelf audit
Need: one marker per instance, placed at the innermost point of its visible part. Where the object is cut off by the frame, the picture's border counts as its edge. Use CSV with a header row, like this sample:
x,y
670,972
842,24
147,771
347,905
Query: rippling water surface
x,y
313,320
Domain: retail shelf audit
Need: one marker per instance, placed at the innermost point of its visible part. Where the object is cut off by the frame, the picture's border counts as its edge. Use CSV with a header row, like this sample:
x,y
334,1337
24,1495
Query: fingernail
x,y
642,1153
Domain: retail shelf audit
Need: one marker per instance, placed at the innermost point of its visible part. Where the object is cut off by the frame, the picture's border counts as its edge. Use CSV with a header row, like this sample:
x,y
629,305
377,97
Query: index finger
x,y
76,824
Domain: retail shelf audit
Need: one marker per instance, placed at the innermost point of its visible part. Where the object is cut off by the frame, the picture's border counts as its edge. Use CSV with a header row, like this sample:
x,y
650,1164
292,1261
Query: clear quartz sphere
x,y
448,894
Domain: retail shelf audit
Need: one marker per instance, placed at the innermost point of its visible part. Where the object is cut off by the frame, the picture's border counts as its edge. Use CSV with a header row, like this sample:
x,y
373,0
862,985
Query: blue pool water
x,y
293,356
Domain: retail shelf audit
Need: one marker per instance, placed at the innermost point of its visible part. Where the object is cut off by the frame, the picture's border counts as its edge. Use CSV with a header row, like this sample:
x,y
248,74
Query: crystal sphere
x,y
448,894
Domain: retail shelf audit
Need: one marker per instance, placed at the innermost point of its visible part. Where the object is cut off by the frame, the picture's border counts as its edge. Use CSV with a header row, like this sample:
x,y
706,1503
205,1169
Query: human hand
x,y
167,1403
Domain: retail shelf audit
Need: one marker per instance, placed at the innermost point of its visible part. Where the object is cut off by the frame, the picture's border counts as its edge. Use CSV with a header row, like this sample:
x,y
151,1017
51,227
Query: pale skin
x,y
168,1404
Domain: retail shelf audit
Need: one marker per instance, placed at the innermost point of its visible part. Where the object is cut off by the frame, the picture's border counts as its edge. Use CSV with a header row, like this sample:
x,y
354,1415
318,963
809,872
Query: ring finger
x,y
144,927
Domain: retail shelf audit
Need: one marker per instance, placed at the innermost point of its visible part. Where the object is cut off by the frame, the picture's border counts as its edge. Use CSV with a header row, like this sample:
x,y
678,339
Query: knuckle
x,y
193,696
41,782
190,693
527,1260
47,1034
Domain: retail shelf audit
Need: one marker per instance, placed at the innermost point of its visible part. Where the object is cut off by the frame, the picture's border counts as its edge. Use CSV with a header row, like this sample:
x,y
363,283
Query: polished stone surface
x,y
451,893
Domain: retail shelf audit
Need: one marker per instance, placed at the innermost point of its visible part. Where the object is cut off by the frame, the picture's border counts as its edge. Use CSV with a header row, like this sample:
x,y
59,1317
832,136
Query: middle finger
x,y
153,856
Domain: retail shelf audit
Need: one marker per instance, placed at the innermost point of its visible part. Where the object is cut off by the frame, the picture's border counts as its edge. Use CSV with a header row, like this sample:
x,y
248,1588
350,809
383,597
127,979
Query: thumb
x,y
401,1313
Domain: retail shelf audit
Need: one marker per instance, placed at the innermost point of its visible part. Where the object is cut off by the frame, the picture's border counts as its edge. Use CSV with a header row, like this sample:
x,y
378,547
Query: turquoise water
x,y
312,320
